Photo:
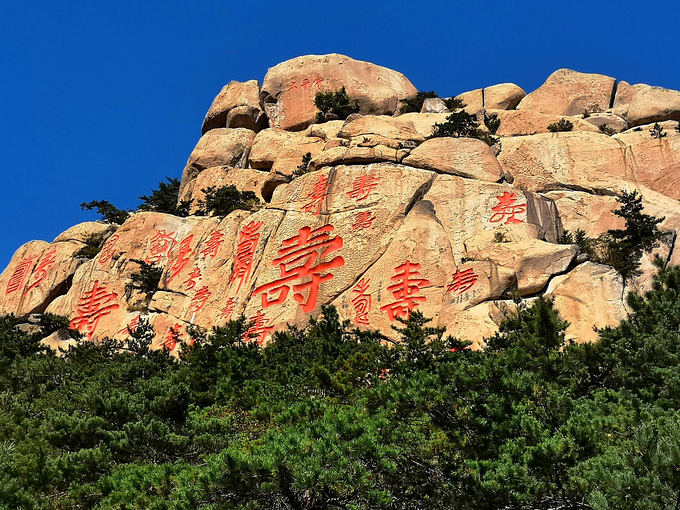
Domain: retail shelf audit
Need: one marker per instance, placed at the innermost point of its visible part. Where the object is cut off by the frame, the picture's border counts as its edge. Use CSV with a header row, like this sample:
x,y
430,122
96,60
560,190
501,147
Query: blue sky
x,y
102,100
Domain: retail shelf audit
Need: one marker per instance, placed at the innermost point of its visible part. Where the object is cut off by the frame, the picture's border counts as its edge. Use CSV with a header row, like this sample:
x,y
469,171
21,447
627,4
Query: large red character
x,y
18,278
108,249
301,258
362,186
462,281
405,290
93,305
247,244
507,208
361,302
161,245
318,193
40,271
182,258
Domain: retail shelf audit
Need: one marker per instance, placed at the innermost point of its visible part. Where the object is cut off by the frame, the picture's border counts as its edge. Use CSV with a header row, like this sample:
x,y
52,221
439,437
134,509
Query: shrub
x,y
604,128
334,105
226,199
415,104
462,124
109,212
146,279
492,123
677,128
454,103
165,199
304,167
657,131
561,125
93,244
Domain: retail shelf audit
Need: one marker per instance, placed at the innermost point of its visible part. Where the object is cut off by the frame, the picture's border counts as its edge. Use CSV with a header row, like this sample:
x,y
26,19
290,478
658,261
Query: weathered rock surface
x,y
529,122
504,96
237,105
434,105
653,104
289,88
568,92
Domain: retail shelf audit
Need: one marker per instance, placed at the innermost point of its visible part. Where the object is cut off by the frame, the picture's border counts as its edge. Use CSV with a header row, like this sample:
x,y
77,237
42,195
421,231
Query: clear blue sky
x,y
102,100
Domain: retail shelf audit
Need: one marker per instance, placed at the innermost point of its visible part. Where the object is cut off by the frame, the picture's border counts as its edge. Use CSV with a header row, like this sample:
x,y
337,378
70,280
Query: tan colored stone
x,y
587,212
580,161
624,95
661,206
247,117
289,156
327,130
476,324
234,94
60,342
266,147
568,92
504,96
434,105
529,122
653,104
424,123
79,233
612,121
379,130
465,157
473,100
218,147
589,296
289,88
342,155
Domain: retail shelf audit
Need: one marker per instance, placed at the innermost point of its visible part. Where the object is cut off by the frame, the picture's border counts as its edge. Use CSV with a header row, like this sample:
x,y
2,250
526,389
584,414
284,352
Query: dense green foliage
x,y
165,199
93,244
332,418
109,212
225,199
462,124
334,105
146,279
303,167
657,131
561,125
415,104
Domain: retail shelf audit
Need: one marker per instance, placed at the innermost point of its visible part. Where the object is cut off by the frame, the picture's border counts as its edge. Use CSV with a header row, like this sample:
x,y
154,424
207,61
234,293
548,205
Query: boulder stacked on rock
x,y
372,215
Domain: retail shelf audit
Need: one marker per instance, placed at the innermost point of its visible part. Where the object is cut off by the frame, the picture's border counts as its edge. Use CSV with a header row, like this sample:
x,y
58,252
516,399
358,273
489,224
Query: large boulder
x,y
653,104
585,211
504,96
289,88
370,130
237,105
529,122
568,92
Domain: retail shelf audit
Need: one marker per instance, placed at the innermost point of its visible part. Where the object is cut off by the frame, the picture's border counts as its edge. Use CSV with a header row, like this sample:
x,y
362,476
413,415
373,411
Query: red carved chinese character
x,y
317,82
161,245
247,244
18,278
362,186
299,258
259,328
182,258
361,302
305,83
130,328
213,243
363,219
200,298
108,249
507,208
462,281
93,305
228,309
172,337
190,282
293,85
319,192
40,271
404,291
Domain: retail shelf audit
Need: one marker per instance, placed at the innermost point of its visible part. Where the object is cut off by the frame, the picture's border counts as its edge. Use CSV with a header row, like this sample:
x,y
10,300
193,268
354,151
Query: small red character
x,y
318,193
362,186
462,281
404,291
317,82
362,220
259,328
190,282
182,258
507,208
172,337
200,299
228,309
107,251
40,272
161,245
130,328
247,244
18,278
293,85
93,305
212,244
361,302
305,83
300,258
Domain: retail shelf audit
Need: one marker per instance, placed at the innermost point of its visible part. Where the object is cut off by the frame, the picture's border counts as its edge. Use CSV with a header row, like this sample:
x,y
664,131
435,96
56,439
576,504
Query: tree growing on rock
x,y
109,212
222,201
165,199
334,105
415,104
462,124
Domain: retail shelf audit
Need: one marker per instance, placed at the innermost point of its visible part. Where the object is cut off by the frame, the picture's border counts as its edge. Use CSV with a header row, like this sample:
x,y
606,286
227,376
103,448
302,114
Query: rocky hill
x,y
382,219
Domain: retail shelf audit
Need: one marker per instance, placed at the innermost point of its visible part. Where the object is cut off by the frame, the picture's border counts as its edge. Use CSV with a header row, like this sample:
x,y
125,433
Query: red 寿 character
x,y
228,309
161,245
300,258
200,298
305,83
362,186
247,244
93,305
363,219
190,282
107,250
40,271
507,208
130,328
404,291
462,281
361,302
319,192
18,278
182,258
258,329
317,82
213,243
172,337
293,85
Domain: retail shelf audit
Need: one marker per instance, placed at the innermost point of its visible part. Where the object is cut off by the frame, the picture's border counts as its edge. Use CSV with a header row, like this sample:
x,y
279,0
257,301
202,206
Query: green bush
x,y
93,244
454,103
334,105
415,104
561,125
165,199
657,131
146,279
109,212
604,128
303,168
462,124
226,199
492,122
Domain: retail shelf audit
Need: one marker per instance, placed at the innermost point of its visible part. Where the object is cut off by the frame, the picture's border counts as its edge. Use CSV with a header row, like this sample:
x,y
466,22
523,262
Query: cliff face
x,y
385,221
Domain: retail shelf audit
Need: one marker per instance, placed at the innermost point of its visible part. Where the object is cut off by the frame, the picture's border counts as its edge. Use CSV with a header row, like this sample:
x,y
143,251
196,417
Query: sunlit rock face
x,y
372,216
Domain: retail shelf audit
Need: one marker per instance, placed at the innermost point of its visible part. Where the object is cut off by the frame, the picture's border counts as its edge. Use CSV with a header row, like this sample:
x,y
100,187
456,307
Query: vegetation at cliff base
x,y
330,417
